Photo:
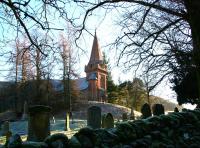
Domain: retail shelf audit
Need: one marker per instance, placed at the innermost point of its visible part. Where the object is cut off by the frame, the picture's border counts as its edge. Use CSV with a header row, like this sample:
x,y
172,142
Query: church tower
x,y
96,74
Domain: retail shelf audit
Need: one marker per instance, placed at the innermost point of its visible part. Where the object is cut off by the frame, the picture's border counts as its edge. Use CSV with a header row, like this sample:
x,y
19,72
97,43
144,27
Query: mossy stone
x,y
74,142
31,144
57,140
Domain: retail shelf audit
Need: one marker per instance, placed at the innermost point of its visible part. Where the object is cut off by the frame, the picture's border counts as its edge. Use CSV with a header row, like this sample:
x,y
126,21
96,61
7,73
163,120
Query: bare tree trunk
x,y
16,75
38,76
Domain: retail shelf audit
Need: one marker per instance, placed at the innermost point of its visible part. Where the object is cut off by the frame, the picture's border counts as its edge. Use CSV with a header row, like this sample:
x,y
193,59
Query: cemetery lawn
x,y
20,127
79,121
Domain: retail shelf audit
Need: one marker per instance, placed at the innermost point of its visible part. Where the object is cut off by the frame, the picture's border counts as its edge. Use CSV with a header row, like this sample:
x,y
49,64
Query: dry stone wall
x,y
178,129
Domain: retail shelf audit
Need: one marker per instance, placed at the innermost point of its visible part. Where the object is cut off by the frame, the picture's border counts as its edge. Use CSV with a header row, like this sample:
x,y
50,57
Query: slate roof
x,y
4,84
81,83
57,85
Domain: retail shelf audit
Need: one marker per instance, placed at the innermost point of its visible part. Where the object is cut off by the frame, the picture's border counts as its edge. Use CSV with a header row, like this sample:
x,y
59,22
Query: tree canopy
x,y
19,17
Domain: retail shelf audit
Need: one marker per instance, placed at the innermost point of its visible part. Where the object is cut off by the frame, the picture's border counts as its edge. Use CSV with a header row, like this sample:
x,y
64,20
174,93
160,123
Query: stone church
x,y
94,86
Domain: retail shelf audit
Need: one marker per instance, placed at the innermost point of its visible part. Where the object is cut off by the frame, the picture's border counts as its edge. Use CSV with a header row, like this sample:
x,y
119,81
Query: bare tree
x,y
42,65
22,16
68,63
150,82
30,64
19,60
153,31
136,91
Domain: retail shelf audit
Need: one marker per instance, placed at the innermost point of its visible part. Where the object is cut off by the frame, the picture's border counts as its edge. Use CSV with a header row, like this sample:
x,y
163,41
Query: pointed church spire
x,y
96,56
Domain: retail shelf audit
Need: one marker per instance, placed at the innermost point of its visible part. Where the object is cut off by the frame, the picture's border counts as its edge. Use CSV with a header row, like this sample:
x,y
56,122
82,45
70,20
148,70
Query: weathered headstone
x,y
124,117
158,109
176,109
109,121
103,120
94,117
146,111
25,113
5,128
67,128
38,123
132,117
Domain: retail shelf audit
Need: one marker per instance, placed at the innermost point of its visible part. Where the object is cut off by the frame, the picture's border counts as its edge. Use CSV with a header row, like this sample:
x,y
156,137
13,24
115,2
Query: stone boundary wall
x,y
178,129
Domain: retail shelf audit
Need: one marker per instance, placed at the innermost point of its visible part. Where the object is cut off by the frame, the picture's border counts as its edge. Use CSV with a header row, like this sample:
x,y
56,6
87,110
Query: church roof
x,y
81,83
57,85
96,56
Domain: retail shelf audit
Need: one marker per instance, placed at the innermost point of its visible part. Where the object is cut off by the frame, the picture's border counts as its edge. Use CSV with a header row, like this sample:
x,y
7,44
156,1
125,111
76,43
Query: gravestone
x,y
103,120
109,121
146,111
124,117
38,123
94,117
158,109
25,113
5,128
176,109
